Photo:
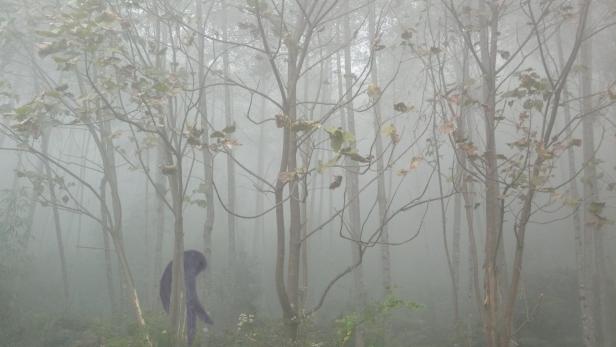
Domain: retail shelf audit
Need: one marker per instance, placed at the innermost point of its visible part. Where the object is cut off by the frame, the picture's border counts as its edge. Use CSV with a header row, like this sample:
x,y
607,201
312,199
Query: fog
x,y
355,173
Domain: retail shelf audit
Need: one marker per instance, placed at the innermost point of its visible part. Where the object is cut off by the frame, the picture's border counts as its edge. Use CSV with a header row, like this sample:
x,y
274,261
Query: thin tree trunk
x,y
176,187
259,237
159,179
107,250
231,185
488,44
520,226
587,319
380,167
305,154
148,294
208,160
352,178
56,217
130,285
159,223
590,190
592,218
32,204
466,193
467,188
294,201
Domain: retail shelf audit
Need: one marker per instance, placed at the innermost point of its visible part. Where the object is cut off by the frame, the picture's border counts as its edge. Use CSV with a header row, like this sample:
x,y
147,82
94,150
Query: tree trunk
x,y
380,167
352,179
130,285
159,223
107,250
493,237
465,187
148,294
231,187
587,319
56,216
590,192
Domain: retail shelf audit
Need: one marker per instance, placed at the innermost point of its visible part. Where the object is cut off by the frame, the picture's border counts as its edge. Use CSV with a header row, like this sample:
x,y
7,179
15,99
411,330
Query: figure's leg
x,y
191,324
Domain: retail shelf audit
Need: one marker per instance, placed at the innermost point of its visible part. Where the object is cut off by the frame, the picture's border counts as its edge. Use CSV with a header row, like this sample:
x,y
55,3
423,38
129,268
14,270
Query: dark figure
x,y
194,263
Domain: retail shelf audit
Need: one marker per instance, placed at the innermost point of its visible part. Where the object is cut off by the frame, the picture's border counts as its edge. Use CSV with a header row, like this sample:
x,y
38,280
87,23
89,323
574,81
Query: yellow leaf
x,y
373,91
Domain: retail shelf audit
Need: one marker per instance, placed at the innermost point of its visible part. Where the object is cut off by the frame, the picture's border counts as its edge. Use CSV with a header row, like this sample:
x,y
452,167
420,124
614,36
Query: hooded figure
x,y
194,263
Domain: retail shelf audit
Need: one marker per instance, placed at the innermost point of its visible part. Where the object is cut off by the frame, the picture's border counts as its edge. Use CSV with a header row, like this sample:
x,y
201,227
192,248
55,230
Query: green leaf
x,y
596,207
401,107
230,129
353,155
336,138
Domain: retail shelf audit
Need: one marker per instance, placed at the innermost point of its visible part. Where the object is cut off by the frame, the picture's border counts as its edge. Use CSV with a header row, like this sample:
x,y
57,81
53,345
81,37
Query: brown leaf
x,y
336,182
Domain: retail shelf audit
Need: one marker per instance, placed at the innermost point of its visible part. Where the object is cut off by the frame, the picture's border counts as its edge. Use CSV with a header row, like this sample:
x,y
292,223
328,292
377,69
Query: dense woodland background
x,y
357,173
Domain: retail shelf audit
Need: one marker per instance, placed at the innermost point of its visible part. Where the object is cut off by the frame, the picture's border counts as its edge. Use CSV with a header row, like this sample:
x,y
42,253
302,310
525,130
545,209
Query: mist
x,y
354,173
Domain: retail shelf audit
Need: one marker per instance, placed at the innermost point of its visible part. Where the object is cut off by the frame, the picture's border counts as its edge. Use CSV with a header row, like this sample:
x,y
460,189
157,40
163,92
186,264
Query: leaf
x,y
229,129
407,34
504,54
287,176
373,91
336,182
401,107
414,164
596,207
168,169
47,48
447,127
304,126
336,138
218,134
61,88
391,131
200,202
356,157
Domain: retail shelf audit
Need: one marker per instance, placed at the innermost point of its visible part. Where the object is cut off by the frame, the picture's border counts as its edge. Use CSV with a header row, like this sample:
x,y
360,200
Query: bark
x,y
380,167
450,267
146,235
488,43
593,243
56,217
159,223
101,133
208,160
465,185
107,251
159,181
32,204
231,187
306,154
352,179
259,237
176,185
294,201
587,319
520,226
130,286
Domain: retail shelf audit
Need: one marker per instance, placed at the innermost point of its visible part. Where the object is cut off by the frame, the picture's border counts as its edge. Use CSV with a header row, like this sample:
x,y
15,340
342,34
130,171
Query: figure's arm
x,y
202,314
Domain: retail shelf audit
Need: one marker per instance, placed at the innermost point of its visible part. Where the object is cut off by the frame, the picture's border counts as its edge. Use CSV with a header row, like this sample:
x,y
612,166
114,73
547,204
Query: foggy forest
x,y
307,173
